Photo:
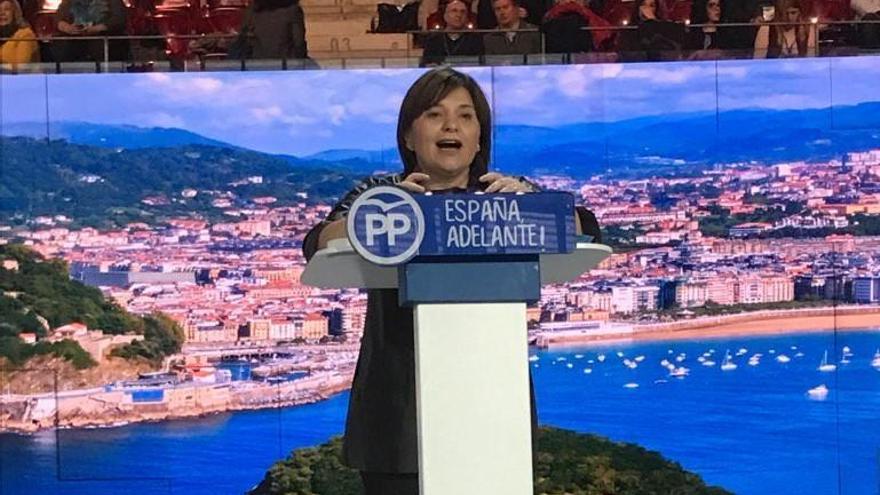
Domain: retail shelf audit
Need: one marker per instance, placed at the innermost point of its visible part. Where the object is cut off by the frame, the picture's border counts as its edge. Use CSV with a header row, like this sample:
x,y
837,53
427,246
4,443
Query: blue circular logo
x,y
386,225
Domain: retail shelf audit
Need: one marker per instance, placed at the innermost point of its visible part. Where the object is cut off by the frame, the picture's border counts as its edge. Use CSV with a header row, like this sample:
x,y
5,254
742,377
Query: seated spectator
x,y
867,10
655,38
704,34
18,43
788,36
532,11
565,26
90,18
452,42
508,15
273,29
436,21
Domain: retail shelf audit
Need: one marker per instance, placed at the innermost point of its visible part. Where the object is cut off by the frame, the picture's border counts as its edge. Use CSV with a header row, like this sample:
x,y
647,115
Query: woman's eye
x,y
467,116
432,114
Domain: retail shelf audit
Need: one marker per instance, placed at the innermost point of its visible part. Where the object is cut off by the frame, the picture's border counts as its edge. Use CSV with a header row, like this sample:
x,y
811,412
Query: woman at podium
x,y
444,139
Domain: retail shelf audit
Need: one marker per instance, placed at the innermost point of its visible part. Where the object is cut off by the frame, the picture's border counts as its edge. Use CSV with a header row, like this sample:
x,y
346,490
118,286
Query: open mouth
x,y
449,144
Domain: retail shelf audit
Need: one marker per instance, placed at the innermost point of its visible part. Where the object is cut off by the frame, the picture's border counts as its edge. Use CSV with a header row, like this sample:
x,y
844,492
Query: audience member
x,y
704,34
867,10
565,30
274,29
533,12
511,42
434,20
654,38
789,36
18,43
452,42
90,18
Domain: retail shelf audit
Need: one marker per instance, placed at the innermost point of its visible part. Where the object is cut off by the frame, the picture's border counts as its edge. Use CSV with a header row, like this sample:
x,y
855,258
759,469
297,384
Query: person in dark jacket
x,y
452,42
513,40
564,28
444,139
274,29
705,35
90,18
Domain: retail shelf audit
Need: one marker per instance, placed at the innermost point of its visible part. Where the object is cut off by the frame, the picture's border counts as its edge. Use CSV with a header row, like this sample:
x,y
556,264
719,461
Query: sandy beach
x,y
842,318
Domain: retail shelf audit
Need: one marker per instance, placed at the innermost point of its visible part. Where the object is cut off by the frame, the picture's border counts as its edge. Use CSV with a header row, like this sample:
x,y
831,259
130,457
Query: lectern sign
x,y
388,225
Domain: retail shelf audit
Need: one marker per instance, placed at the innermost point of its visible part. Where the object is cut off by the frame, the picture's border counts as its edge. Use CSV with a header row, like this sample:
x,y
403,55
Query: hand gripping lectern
x,y
467,264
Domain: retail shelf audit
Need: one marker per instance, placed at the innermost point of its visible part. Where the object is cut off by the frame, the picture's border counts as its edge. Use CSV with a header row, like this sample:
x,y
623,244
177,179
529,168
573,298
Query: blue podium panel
x,y
480,224
389,226
495,279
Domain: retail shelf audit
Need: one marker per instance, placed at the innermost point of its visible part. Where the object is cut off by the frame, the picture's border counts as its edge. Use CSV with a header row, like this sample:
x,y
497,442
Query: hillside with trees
x,y
38,296
567,463
106,187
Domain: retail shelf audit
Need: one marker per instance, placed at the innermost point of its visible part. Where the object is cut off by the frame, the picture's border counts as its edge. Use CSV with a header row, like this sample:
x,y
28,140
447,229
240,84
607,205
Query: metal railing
x,y
187,59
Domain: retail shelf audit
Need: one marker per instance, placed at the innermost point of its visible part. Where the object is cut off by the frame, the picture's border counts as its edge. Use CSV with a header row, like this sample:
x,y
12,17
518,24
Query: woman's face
x,y
793,14
713,10
446,137
7,13
648,9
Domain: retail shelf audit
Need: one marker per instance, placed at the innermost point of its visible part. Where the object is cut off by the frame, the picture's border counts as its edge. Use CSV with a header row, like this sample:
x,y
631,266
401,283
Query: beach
x,y
828,319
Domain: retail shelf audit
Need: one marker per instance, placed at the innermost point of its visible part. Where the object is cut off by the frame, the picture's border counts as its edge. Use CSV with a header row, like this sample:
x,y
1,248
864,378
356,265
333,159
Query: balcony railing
x,y
183,52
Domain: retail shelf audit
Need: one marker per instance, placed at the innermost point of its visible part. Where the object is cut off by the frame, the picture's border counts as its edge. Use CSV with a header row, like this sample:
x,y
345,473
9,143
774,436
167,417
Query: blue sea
x,y
751,430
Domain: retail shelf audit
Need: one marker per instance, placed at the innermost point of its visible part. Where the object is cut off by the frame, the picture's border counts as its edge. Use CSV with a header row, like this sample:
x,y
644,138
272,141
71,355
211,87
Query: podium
x,y
469,304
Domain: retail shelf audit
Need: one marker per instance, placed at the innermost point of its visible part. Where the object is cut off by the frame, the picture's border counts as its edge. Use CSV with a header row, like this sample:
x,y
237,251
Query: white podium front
x,y
472,377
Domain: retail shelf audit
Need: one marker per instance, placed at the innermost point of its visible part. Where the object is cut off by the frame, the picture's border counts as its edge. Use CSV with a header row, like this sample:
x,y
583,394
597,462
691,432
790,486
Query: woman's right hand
x,y
415,182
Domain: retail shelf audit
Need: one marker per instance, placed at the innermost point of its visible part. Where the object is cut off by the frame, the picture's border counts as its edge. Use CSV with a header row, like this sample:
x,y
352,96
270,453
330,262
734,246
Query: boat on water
x,y
533,358
679,372
754,361
728,364
818,393
782,358
875,362
587,371
708,362
631,385
601,358
824,366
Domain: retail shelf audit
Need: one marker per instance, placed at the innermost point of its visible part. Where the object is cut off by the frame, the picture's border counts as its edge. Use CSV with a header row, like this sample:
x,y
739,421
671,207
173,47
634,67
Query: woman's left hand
x,y
504,183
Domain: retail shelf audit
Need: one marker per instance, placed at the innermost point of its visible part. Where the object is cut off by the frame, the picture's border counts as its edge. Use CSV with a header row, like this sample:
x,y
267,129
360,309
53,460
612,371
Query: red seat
x,y
226,19
174,22
45,24
618,11
678,10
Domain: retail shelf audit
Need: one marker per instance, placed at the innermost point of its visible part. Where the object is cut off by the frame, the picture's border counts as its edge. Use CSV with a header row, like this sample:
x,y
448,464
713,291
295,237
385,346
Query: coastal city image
x,y
155,336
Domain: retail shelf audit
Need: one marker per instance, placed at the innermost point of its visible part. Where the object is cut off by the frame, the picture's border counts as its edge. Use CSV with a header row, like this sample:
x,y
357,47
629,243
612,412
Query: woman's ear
x,y
407,141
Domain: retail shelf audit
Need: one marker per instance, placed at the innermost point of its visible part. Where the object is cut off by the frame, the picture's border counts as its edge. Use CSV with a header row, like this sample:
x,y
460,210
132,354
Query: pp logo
x,y
386,225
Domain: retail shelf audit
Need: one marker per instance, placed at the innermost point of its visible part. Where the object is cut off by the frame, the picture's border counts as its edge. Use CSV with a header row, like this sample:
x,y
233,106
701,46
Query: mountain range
x,y
640,146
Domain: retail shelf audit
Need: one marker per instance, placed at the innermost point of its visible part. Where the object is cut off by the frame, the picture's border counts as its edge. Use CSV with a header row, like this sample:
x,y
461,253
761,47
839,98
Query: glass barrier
x,y
652,41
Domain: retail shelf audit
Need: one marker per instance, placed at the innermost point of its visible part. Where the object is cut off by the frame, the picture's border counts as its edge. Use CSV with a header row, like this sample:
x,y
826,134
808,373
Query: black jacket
x,y
380,431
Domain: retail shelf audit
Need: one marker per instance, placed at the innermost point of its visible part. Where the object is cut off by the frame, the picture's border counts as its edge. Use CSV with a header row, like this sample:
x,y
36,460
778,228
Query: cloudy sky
x,y
304,112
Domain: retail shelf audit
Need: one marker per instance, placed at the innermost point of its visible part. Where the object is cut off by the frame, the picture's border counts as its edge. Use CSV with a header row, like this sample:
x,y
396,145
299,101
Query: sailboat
x,y
727,365
818,393
782,358
875,362
824,366
679,372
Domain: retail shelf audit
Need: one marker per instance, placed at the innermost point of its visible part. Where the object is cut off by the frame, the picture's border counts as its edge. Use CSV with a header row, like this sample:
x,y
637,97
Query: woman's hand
x,y
504,183
415,182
